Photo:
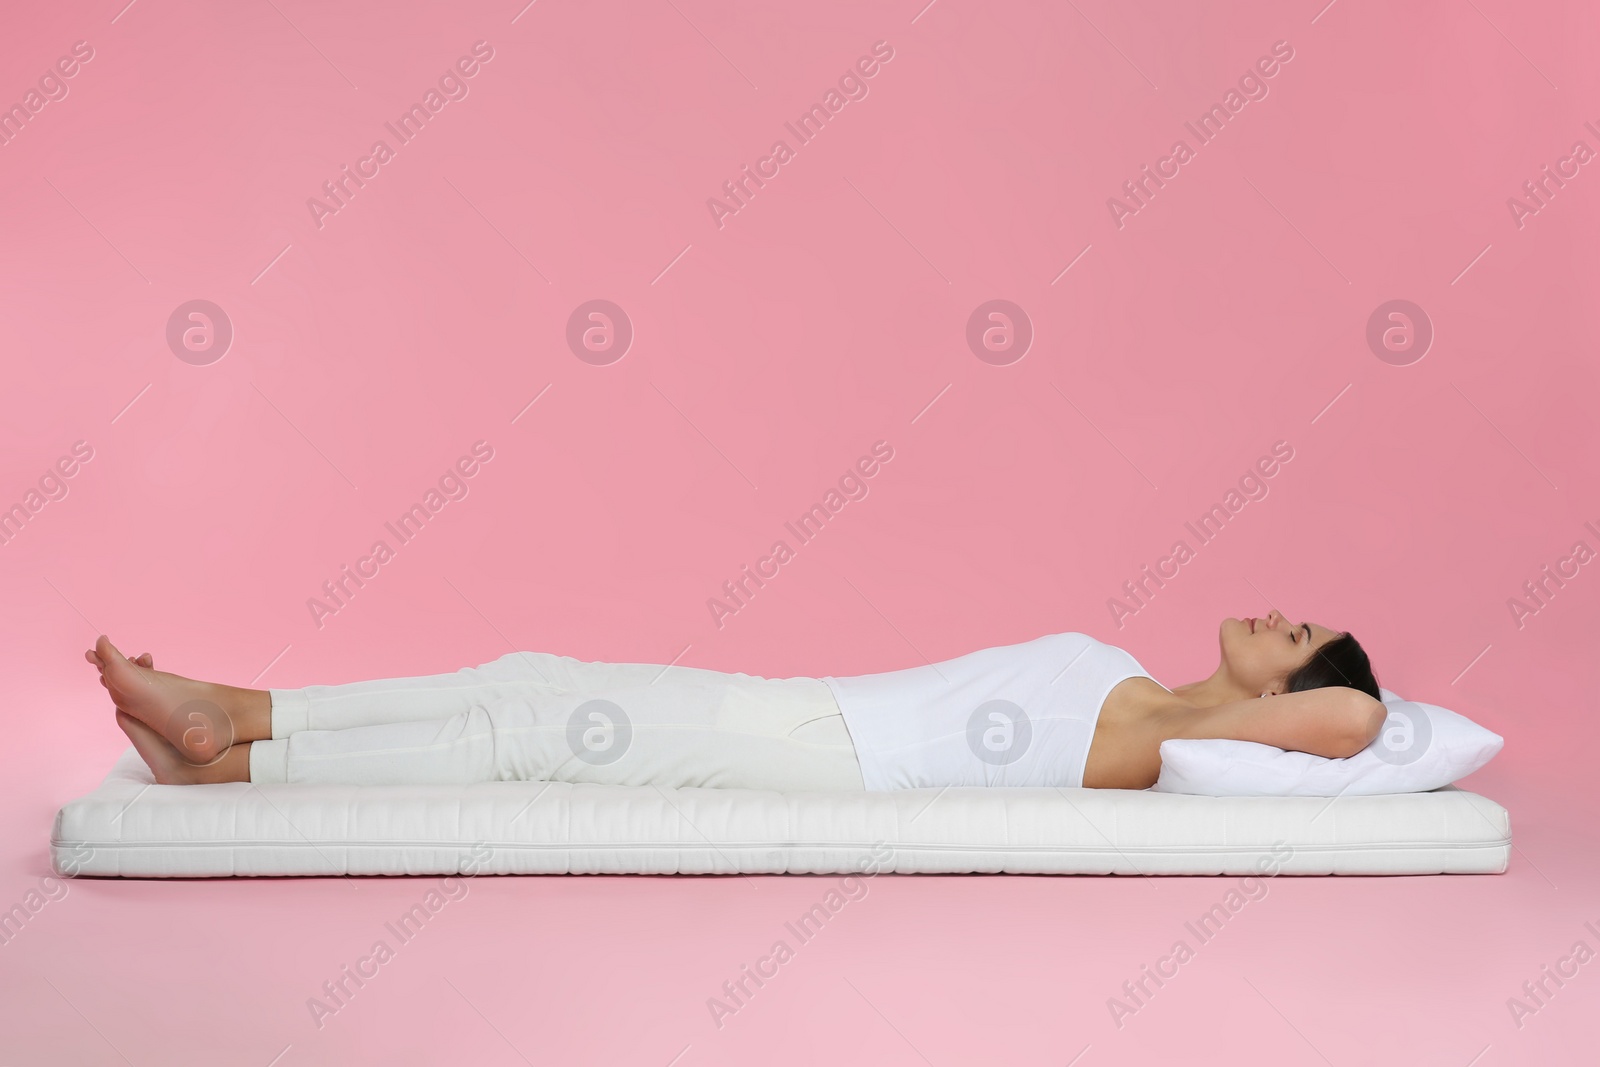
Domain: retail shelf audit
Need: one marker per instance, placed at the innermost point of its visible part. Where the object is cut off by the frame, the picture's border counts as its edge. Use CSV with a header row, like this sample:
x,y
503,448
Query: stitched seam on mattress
x,y
769,845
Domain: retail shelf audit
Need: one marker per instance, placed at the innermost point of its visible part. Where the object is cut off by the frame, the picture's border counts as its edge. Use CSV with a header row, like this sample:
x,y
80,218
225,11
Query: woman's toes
x,y
109,659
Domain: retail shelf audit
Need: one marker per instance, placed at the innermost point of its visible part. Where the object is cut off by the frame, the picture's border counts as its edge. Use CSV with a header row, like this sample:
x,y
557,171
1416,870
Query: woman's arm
x,y
1335,721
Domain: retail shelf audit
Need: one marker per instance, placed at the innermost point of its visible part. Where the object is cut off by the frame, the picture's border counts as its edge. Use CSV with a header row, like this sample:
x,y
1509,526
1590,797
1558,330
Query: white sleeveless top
x,y
1015,715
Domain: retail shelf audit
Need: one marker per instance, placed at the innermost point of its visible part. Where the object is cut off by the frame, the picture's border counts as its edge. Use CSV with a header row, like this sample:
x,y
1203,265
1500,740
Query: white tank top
x,y
1015,715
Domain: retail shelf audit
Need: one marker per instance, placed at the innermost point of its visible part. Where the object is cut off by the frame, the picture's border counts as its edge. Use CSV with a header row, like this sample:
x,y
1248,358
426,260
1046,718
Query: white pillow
x,y
1421,747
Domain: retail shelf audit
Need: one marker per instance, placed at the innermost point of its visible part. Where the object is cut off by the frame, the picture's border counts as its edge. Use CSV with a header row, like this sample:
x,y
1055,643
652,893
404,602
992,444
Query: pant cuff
x,y
291,712
269,762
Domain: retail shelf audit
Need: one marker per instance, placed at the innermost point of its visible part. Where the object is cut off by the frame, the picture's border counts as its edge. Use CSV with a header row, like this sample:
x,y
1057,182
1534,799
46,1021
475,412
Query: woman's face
x,y
1260,653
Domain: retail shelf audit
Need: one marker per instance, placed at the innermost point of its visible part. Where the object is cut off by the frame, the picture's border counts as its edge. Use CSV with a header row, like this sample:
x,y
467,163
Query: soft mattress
x,y
131,828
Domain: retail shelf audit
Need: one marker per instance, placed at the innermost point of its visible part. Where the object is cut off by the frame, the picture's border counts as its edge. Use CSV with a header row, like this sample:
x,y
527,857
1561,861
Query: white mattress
x,y
132,828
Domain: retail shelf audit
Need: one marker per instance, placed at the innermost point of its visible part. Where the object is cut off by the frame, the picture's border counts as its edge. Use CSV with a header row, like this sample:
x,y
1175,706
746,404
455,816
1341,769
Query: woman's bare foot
x,y
199,721
170,768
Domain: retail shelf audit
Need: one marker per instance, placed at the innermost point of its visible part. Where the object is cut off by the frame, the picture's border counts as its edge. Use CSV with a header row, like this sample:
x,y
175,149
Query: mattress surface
x,y
131,828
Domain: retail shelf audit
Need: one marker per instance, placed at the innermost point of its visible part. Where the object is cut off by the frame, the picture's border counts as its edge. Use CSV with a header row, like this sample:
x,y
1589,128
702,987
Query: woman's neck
x,y
1220,688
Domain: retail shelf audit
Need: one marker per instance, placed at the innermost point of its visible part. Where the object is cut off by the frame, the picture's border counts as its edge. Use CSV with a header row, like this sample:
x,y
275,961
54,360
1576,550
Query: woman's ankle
x,y
250,711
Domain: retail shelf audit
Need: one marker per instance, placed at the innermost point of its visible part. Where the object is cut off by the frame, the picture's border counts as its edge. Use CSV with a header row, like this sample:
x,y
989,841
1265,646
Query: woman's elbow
x,y
1366,718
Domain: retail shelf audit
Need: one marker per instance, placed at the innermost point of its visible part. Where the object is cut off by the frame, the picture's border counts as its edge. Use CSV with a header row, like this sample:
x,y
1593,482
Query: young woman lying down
x,y
1061,710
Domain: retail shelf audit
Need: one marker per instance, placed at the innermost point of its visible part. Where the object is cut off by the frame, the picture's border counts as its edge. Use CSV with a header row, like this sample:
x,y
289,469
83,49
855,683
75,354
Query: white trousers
x,y
536,716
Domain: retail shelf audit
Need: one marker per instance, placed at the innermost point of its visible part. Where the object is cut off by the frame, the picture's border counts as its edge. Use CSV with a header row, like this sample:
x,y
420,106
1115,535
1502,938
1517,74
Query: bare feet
x,y
197,721
170,768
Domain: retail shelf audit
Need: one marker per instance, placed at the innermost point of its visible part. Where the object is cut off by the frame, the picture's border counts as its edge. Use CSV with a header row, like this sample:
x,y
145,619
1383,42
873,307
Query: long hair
x,y
1341,661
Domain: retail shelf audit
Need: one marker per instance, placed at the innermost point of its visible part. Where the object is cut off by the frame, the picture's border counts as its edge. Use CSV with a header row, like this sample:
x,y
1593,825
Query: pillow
x,y
1421,747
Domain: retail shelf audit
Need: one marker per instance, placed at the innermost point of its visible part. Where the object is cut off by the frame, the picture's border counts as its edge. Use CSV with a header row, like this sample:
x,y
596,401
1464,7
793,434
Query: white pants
x,y
537,716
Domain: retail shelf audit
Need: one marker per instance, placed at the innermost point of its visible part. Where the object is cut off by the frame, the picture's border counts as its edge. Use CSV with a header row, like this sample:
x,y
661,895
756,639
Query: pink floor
x,y
759,342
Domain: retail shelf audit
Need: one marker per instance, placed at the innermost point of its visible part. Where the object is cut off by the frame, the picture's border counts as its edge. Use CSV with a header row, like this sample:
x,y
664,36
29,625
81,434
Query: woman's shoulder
x,y
1140,699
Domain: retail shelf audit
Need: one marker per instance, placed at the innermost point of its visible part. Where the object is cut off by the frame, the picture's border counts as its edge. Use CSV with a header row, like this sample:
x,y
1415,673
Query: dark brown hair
x,y
1341,661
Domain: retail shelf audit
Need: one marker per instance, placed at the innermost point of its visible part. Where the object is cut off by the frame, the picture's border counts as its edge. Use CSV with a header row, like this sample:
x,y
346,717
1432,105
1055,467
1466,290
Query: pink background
x,y
829,313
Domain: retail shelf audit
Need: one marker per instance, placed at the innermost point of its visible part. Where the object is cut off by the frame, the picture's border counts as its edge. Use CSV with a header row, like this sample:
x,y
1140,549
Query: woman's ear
x,y
1281,687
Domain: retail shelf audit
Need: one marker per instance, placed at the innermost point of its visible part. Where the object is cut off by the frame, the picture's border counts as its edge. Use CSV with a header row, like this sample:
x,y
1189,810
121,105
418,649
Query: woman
x,y
1062,710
